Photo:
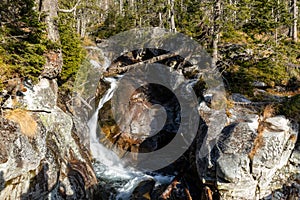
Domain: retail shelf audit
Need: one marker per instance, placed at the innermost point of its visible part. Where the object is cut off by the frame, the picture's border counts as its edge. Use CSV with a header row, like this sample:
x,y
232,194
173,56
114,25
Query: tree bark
x,y
295,20
173,27
121,7
70,10
54,60
216,32
160,20
171,15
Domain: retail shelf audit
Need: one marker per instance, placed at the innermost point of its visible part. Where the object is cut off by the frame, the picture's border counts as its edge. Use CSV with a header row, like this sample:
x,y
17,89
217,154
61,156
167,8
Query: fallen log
x,y
116,69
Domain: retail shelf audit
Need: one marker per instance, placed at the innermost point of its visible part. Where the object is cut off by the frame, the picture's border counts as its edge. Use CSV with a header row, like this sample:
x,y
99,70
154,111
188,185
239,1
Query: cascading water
x,y
108,165
99,152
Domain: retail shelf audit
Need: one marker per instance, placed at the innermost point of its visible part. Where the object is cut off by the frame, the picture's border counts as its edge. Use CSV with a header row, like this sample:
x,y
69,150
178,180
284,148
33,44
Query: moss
x,y
44,120
291,108
267,63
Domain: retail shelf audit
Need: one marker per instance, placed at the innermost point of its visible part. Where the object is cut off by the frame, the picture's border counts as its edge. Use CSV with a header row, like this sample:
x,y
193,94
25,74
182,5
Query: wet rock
x,y
143,190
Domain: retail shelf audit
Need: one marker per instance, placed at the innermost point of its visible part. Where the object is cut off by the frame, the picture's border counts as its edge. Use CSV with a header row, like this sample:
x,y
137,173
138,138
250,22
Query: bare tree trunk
x,y
121,7
160,20
54,60
106,6
50,7
83,26
233,13
78,22
276,20
173,27
216,32
295,20
70,10
131,3
171,15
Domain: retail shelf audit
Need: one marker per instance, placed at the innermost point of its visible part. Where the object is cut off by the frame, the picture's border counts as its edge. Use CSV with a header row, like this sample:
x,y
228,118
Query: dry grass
x,y
262,37
258,142
88,42
269,111
228,113
26,122
285,93
218,102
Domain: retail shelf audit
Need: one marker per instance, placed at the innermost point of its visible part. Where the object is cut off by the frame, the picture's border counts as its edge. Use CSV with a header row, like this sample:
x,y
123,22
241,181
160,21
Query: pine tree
x,y
23,41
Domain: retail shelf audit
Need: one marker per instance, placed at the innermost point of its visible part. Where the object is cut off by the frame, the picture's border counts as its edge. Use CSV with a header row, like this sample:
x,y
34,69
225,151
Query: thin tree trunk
x,y
276,21
131,3
83,26
121,7
216,32
78,22
234,13
171,15
160,20
295,20
106,6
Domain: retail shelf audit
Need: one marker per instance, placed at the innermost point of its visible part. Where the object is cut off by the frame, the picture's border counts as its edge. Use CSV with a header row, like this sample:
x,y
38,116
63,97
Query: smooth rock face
x,y
236,174
50,163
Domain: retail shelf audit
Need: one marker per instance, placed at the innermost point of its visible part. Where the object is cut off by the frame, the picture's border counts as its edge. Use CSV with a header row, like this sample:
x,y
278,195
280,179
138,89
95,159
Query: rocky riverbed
x,y
52,152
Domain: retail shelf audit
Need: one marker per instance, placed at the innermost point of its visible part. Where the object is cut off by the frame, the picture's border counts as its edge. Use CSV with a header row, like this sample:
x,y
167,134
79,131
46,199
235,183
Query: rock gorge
x,y
46,149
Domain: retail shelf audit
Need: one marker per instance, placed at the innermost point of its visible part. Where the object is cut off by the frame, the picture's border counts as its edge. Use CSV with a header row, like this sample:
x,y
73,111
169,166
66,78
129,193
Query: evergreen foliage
x,y
23,40
260,26
73,52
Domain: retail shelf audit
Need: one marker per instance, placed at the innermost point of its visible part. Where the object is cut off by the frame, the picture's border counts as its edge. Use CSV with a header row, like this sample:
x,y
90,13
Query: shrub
x,y
73,52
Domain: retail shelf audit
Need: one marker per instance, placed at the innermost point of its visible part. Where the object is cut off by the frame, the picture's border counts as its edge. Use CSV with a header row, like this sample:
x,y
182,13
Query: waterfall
x,y
108,166
105,156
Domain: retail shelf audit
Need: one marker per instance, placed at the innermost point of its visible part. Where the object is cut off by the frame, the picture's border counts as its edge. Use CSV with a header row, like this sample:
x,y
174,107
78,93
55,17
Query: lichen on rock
x,y
40,157
242,167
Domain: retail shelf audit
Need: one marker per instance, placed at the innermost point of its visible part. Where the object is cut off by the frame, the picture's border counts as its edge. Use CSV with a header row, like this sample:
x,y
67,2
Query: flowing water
x,y
108,166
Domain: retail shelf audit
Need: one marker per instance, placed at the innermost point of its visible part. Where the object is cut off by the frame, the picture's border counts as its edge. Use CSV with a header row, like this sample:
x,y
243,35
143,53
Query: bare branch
x,y
38,111
69,10
84,102
115,69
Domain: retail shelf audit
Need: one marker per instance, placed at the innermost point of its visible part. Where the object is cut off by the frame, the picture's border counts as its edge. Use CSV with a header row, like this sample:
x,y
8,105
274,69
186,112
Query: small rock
x,y
259,84
236,97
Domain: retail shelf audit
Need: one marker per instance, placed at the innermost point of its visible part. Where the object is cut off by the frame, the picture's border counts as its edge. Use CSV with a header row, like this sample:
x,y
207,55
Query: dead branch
x,y
17,36
43,111
84,102
69,10
117,69
167,193
1,116
207,193
188,194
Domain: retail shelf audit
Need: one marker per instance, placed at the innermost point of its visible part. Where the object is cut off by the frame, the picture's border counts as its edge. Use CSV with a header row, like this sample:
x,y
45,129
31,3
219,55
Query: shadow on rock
x,y
38,185
2,181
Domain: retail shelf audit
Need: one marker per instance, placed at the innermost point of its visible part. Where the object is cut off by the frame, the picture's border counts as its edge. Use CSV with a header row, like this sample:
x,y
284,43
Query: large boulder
x,y
248,155
42,156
